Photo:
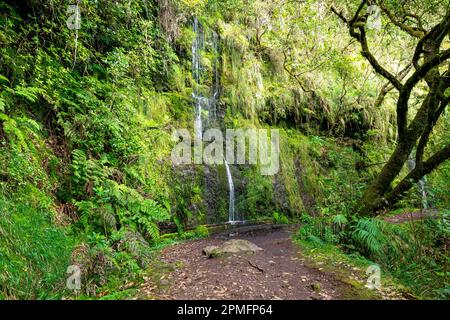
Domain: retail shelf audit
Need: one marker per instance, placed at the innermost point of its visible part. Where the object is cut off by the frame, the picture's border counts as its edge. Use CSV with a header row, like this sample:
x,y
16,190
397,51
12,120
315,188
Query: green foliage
x,y
74,130
107,263
413,253
116,204
86,120
317,230
258,196
340,221
87,173
437,187
198,233
368,235
279,218
34,254
202,231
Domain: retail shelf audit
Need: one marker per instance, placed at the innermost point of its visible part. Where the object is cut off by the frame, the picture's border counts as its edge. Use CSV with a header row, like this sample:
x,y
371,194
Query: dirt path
x,y
412,216
277,272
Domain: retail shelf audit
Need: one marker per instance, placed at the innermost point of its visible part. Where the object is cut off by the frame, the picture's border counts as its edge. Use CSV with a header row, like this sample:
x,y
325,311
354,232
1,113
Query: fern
x,y
70,131
17,130
86,171
368,236
133,208
150,227
339,223
107,215
2,104
340,220
97,216
28,93
154,210
132,242
79,166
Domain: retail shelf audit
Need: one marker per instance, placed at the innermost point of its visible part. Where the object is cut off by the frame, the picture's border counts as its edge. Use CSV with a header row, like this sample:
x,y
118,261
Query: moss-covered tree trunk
x,y
374,197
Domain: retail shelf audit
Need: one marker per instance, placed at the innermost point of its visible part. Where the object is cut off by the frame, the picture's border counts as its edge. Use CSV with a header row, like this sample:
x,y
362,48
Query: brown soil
x,y
277,272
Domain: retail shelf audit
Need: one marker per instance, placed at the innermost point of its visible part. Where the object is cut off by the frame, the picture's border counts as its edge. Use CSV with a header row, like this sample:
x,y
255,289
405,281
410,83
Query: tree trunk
x,y
374,197
416,174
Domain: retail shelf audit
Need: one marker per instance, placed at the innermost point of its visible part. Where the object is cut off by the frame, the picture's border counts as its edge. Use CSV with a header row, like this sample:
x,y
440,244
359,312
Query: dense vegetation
x,y
87,117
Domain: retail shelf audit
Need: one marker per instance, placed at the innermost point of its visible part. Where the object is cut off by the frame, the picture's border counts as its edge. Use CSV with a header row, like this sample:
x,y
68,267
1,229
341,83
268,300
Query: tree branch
x,y
417,173
293,75
417,32
388,86
355,17
340,15
423,70
438,158
374,62
405,92
436,35
362,39
440,110
433,116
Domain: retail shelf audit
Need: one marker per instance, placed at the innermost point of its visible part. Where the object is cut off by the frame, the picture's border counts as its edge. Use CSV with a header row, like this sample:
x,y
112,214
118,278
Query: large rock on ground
x,y
231,247
211,251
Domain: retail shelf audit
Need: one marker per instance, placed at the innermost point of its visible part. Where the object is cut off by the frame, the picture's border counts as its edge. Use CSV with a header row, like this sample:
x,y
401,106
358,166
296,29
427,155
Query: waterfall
x,y
411,164
197,44
231,213
208,105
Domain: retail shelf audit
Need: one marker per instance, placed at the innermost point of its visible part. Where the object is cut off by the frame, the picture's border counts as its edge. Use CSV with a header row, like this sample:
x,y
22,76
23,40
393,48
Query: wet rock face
x,y
280,195
231,247
212,189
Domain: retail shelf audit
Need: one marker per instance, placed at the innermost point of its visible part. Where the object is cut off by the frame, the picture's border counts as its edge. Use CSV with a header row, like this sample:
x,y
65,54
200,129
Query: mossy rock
x,y
211,251
231,247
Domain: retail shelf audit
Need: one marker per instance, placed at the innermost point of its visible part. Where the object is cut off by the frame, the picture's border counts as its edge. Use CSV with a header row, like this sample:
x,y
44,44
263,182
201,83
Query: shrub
x,y
279,218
